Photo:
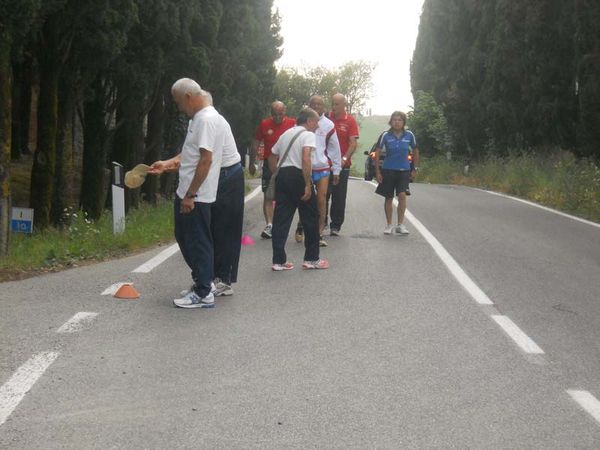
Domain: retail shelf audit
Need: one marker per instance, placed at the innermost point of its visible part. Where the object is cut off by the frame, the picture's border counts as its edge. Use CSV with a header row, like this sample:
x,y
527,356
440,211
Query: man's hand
x,y
413,175
252,168
336,180
346,163
379,177
307,193
158,167
187,205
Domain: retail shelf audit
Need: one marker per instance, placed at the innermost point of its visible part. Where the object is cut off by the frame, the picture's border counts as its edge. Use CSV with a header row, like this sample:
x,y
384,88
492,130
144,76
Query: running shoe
x,y
222,289
193,300
401,229
318,264
267,233
280,267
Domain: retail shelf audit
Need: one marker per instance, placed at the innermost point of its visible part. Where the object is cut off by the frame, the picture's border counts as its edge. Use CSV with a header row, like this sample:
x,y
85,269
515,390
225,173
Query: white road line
x,y
465,281
158,259
516,334
587,401
545,208
77,322
252,194
13,391
478,295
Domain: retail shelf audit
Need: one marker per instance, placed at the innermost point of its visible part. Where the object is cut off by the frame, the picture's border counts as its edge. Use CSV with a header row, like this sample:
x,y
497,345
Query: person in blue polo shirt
x,y
395,174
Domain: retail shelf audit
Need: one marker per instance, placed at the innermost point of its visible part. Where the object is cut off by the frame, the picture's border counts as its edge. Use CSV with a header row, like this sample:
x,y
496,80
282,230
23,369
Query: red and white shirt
x,y
269,132
346,128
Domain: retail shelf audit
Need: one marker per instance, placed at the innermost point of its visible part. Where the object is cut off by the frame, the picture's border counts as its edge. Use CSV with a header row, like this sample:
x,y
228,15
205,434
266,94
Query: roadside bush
x,y
556,179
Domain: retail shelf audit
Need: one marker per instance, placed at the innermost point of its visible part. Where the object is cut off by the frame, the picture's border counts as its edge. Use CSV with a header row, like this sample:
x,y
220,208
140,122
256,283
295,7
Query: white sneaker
x,y
281,267
401,229
185,292
267,233
222,289
193,300
389,229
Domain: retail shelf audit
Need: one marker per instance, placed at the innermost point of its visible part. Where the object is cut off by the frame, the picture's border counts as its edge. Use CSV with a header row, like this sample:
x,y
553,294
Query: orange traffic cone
x,y
127,291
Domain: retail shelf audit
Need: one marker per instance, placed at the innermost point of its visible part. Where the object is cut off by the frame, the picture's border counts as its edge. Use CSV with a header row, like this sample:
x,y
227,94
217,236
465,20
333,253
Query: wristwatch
x,y
189,194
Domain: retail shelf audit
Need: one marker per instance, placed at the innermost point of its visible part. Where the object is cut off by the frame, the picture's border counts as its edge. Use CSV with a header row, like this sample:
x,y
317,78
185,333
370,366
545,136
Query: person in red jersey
x,y
347,133
268,132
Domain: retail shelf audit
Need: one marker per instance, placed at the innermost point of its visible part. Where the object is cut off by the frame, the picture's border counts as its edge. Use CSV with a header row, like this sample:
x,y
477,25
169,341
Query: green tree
x,y
449,63
428,122
587,68
109,26
294,86
53,41
243,70
354,81
502,71
15,21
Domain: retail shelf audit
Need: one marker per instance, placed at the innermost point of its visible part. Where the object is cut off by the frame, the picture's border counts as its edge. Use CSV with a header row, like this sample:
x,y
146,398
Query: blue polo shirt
x,y
397,149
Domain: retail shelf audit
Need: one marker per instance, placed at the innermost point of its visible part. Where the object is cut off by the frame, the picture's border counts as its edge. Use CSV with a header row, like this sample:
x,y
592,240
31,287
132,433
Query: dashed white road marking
x,y
527,344
478,295
158,259
545,208
516,334
13,391
77,322
587,401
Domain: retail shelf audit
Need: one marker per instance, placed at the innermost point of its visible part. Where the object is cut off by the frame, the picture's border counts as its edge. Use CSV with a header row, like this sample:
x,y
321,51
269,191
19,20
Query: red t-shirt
x,y
269,132
345,127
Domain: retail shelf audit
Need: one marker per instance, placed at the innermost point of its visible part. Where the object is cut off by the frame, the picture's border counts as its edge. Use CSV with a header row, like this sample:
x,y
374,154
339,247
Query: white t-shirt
x,y
294,157
327,149
208,130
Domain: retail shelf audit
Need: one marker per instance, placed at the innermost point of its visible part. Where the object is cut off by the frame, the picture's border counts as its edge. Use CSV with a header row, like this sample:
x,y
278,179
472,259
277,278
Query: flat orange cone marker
x,y
127,291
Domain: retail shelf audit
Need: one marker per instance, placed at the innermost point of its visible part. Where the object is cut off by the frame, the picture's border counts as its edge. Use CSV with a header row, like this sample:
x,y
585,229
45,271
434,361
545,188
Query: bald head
x,y
317,103
277,111
338,104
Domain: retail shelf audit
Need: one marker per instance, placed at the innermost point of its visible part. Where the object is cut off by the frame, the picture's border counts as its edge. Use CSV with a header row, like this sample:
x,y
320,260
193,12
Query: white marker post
x,y
118,199
22,220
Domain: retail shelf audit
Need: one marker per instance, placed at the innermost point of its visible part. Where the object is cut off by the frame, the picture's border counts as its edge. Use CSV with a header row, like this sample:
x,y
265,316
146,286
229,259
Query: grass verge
x,y
82,241
557,180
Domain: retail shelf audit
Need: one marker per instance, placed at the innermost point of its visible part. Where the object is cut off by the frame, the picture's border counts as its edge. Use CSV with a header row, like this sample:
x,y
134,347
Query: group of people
x,y
320,168
311,156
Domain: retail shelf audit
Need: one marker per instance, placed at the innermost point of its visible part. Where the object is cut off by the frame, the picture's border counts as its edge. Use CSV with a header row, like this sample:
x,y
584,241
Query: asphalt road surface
x,y
481,329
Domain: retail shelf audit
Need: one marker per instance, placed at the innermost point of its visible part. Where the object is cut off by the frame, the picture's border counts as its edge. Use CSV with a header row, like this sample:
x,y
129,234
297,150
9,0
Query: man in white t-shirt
x,y
294,190
208,146
326,161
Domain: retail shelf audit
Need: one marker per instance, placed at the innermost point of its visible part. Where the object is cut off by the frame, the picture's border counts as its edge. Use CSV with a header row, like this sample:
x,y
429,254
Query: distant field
x,y
369,128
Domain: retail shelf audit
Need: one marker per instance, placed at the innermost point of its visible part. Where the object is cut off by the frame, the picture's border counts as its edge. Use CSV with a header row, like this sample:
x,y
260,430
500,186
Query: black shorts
x,y
266,176
394,182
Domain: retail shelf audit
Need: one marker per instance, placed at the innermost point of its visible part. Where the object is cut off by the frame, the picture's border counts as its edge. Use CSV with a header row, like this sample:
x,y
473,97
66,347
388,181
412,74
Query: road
x,y
481,329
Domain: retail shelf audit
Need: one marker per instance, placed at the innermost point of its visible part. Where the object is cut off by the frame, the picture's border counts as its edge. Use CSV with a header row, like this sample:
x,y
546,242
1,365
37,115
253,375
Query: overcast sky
x,y
332,32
